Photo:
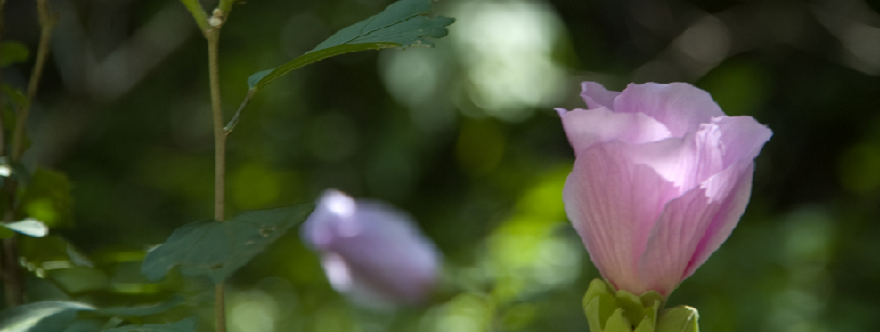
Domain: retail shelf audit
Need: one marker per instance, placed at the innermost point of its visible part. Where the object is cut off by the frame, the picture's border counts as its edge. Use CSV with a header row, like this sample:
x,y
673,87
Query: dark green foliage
x,y
47,198
12,52
40,316
53,316
399,25
218,248
186,325
15,95
142,311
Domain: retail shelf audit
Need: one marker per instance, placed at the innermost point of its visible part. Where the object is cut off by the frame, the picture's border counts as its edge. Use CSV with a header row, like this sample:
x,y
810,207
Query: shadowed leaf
x,y
218,248
399,25
47,198
40,316
142,311
186,325
13,52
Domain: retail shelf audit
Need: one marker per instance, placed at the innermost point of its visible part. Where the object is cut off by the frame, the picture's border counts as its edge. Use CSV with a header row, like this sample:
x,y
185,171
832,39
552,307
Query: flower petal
x,y
741,138
724,222
680,106
613,204
678,233
587,127
595,95
688,161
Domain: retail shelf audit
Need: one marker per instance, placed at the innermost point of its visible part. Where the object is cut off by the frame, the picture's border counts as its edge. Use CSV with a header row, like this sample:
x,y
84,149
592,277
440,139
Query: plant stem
x,y
13,279
47,23
225,6
2,131
219,308
213,37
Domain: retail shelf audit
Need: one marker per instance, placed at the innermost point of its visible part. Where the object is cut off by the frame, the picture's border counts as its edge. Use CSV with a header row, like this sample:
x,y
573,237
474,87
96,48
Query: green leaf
x,y
142,311
15,95
186,325
79,279
84,325
218,248
39,316
29,227
399,25
47,198
13,52
678,319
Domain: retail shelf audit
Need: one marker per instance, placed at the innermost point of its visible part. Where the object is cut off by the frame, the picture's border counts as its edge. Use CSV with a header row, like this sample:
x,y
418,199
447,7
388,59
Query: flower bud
x,y
661,177
370,251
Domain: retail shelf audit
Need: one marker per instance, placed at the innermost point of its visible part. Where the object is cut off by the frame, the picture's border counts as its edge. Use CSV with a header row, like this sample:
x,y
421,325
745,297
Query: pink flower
x,y
660,180
370,251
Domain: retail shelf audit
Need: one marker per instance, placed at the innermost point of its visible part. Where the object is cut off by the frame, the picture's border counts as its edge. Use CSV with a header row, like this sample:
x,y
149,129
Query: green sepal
x,y
678,319
631,305
608,310
618,323
650,320
599,304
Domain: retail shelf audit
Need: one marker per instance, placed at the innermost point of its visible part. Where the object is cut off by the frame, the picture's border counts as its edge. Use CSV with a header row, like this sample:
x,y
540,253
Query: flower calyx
x,y
608,310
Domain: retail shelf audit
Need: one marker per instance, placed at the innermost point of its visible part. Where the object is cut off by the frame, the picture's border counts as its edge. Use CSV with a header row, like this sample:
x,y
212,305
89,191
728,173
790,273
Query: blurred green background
x,y
464,137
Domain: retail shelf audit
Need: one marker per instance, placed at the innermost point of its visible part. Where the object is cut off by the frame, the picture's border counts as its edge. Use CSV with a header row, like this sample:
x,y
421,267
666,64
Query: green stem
x,y
225,6
13,279
213,37
47,23
219,308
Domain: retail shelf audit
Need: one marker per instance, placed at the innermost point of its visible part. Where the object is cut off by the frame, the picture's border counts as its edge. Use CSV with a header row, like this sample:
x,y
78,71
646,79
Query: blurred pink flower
x,y
370,251
660,180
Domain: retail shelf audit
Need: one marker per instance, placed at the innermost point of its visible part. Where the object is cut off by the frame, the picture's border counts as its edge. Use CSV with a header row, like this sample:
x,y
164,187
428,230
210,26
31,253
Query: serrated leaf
x,y
13,52
47,198
218,248
38,316
29,227
186,325
142,311
399,25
